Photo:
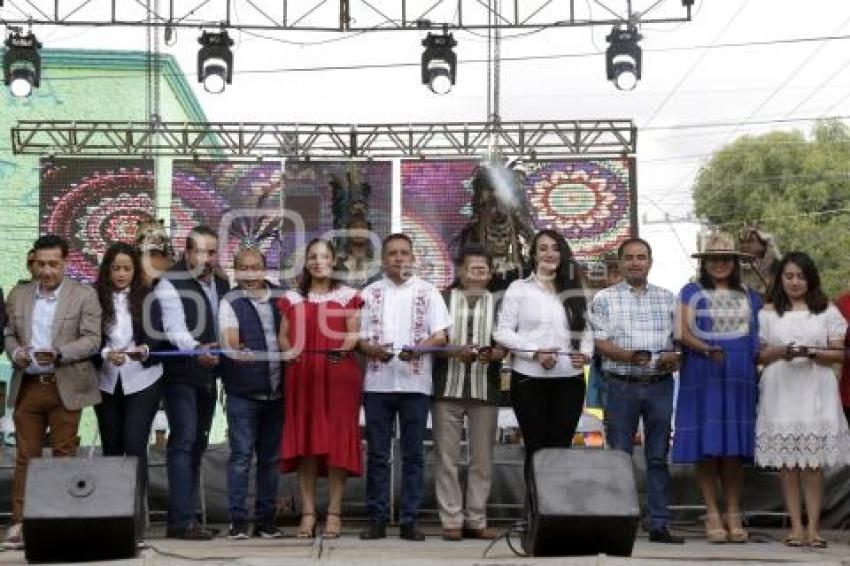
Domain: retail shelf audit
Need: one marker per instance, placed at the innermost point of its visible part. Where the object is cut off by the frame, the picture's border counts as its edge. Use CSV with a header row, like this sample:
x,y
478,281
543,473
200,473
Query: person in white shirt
x,y
543,320
189,294
401,310
129,378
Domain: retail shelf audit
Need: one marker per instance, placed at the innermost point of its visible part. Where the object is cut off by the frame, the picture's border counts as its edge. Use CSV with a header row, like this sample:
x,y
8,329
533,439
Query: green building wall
x,y
80,85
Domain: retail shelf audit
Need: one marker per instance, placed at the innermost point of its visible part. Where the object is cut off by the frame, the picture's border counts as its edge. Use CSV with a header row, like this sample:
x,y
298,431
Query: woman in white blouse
x,y
800,427
543,321
129,377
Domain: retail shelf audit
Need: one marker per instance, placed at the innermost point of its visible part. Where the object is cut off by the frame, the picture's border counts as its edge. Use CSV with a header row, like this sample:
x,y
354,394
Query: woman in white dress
x,y
800,426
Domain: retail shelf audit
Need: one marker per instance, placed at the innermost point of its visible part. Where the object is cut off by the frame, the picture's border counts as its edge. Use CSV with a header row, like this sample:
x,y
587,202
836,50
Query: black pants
x,y
547,410
847,414
125,425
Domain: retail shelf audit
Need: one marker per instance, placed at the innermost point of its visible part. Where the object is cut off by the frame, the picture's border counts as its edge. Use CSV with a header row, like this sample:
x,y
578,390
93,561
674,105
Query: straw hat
x,y
720,244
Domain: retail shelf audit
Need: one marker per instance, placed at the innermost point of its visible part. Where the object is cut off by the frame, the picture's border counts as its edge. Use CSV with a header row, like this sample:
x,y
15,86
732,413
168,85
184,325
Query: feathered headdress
x,y
152,236
251,231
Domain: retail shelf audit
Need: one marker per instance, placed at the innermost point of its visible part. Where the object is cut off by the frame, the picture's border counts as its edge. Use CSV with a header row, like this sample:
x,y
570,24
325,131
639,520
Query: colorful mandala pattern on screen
x,y
589,201
93,203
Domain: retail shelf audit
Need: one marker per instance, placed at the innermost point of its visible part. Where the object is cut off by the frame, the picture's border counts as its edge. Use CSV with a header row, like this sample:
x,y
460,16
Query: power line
x,y
735,124
818,88
792,75
694,65
790,215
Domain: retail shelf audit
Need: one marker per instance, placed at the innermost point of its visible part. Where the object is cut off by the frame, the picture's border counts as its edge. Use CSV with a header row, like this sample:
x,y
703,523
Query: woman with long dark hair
x,y
543,320
323,385
800,426
716,407
129,376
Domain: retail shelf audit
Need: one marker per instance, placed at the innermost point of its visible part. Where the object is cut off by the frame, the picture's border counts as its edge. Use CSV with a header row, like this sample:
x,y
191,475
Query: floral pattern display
x,y
94,203
591,202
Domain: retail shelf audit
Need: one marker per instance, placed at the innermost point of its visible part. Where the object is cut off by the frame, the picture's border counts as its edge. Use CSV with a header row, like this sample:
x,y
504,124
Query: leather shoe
x,y
481,534
374,530
410,532
195,532
664,536
452,534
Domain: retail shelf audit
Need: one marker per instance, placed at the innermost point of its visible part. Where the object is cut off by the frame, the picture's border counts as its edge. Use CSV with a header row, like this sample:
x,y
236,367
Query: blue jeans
x,y
381,410
253,426
190,411
625,405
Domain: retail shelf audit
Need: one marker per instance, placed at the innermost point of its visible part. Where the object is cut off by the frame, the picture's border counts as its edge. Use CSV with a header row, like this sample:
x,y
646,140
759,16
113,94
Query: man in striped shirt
x,y
466,382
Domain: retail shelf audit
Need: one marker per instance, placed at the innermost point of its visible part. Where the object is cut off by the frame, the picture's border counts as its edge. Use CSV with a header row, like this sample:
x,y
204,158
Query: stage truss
x,y
525,139
342,15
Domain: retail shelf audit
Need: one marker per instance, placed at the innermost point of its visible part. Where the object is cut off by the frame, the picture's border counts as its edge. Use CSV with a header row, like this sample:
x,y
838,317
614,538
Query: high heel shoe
x,y
715,535
308,526
333,526
737,533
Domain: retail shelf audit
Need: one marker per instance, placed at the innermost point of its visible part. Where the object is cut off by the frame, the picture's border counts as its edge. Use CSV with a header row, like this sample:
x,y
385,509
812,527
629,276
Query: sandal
x,y
333,526
737,533
716,535
308,526
794,540
818,542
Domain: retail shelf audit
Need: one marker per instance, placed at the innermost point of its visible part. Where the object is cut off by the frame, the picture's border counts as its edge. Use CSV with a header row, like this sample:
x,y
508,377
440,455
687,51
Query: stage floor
x,y
349,549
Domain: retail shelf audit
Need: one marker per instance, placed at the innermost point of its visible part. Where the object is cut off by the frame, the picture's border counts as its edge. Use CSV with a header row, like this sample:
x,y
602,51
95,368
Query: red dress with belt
x,y
321,398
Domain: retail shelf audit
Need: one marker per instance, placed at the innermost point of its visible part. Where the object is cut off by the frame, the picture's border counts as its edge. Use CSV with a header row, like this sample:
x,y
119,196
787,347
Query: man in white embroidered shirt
x,y
401,310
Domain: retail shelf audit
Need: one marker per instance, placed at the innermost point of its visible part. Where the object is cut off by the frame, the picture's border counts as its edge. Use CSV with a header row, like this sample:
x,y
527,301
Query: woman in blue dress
x,y
716,406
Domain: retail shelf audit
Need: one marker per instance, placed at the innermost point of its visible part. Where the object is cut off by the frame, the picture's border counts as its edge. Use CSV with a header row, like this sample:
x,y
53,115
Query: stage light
x,y
215,61
439,62
21,63
623,57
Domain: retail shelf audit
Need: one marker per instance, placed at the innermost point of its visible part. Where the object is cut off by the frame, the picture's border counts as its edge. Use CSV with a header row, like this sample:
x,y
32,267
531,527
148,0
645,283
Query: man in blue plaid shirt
x,y
633,331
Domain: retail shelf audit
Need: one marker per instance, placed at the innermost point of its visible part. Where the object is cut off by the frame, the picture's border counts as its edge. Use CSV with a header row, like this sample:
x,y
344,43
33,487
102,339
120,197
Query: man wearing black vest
x,y
248,321
189,294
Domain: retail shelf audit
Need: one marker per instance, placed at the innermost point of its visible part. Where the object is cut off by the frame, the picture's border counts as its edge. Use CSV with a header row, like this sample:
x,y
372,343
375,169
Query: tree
x,y
794,187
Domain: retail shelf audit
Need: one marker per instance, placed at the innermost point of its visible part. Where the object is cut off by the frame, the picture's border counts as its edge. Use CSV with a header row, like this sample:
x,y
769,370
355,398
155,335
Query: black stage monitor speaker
x,y
81,509
583,502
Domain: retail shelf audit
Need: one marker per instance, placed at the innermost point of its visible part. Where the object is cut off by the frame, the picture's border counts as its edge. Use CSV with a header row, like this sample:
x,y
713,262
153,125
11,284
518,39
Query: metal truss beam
x,y
549,138
343,15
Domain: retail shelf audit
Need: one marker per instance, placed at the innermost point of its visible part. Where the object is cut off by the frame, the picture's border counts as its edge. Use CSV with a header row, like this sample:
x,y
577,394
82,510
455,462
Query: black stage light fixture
x,y
21,63
623,56
439,62
215,61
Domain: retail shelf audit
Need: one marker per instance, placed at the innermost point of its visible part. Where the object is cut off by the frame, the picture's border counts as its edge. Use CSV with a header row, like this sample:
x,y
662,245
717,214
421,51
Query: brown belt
x,y
42,378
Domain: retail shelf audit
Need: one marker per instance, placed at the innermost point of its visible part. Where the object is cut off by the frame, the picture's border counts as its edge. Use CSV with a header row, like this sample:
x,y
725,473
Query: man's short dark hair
x,y
50,241
199,230
473,250
396,236
630,241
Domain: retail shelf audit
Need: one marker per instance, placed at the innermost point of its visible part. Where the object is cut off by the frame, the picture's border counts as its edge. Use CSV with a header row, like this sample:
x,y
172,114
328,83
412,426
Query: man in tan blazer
x,y
52,332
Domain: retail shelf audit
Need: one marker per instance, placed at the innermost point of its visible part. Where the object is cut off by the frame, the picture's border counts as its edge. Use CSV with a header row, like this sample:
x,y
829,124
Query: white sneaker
x,y
14,538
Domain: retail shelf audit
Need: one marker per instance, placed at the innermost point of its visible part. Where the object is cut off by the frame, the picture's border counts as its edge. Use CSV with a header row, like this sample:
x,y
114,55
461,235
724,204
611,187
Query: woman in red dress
x,y
323,386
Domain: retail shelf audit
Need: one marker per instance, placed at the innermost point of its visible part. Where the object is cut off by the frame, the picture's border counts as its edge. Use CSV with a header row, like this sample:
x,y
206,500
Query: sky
x,y
695,76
